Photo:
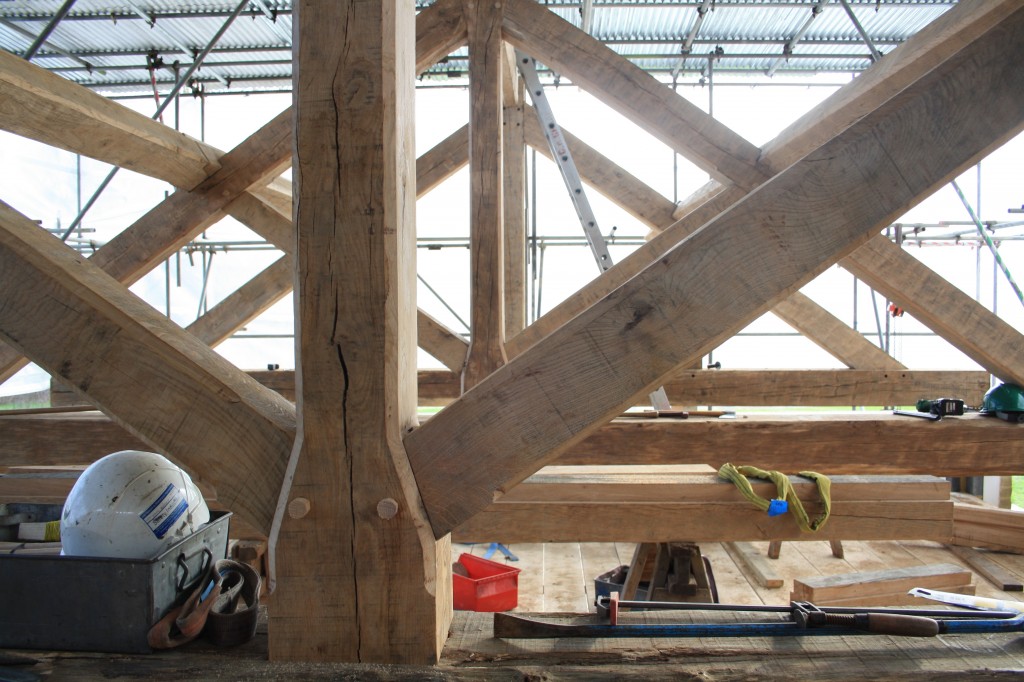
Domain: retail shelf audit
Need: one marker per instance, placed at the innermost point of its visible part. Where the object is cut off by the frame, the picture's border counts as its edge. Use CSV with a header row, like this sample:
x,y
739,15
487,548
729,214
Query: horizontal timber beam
x,y
640,522
822,387
661,484
62,439
711,284
162,384
728,387
839,443
664,506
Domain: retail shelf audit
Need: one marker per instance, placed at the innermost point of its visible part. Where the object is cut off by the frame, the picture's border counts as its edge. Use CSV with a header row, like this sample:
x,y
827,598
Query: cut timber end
x,y
881,587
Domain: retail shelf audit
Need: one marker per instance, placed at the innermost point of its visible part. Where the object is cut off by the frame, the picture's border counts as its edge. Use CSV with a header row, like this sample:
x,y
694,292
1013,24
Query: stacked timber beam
x,y
881,588
664,504
982,526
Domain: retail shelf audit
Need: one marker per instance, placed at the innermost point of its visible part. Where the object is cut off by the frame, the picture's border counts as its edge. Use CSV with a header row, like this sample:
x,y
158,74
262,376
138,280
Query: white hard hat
x,y
130,504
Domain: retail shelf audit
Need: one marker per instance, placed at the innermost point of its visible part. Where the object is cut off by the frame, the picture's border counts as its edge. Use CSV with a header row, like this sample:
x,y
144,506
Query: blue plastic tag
x,y
776,507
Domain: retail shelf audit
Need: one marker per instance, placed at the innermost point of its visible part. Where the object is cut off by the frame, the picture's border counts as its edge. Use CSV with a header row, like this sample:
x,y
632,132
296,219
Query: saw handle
x,y
892,624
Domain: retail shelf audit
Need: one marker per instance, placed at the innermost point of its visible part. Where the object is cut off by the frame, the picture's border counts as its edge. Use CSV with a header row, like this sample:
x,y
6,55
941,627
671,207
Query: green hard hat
x,y
1004,398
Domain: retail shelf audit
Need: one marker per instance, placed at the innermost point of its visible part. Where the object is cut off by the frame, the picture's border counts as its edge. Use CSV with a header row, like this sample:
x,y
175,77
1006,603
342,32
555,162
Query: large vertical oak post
x,y
486,344
360,576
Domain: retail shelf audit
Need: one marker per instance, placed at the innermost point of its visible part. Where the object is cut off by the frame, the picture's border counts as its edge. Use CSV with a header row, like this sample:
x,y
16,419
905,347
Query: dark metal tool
x,y
935,409
804,619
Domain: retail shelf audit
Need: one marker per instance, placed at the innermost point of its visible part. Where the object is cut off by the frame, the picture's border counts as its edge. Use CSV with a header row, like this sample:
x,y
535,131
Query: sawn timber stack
x,y
672,503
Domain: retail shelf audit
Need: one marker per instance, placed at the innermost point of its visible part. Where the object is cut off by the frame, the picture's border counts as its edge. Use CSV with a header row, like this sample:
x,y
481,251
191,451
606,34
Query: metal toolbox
x,y
69,603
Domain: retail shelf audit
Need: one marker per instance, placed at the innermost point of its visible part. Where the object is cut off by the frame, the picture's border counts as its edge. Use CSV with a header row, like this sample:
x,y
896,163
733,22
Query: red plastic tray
x,y
490,586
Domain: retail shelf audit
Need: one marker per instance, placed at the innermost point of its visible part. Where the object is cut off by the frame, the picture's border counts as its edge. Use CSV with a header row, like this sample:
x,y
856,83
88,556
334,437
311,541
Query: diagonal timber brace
x,y
886,80
630,193
159,382
705,288
70,117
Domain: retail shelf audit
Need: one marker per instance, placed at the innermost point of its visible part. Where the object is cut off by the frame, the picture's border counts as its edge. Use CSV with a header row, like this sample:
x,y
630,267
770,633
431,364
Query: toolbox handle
x,y
205,564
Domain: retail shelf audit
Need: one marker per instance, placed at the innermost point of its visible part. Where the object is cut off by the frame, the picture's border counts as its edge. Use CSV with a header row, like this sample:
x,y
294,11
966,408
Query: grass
x,y
1017,491
25,406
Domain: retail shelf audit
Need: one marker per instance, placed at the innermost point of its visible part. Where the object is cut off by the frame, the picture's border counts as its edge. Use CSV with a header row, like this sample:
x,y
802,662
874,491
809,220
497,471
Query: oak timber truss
x,y
360,497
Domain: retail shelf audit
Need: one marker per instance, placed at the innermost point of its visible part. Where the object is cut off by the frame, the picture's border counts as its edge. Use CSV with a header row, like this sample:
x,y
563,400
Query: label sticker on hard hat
x,y
165,510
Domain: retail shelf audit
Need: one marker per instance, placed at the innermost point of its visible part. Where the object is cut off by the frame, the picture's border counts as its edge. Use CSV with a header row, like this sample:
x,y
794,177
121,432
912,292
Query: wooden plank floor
x,y
561,578
547,570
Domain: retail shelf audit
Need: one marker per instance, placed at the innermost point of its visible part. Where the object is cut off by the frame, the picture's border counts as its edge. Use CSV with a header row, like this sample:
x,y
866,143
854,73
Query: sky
x,y
42,183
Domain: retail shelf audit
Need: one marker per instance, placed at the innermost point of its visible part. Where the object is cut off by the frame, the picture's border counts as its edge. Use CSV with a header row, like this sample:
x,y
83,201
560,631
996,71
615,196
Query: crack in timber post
x,y
351,483
340,105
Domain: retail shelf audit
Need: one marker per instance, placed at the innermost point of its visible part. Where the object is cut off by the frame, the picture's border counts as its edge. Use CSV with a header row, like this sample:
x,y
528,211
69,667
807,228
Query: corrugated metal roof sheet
x,y
104,43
